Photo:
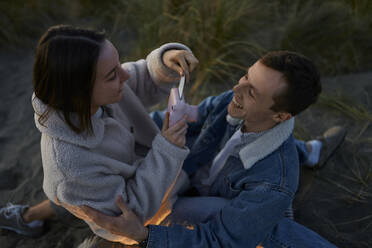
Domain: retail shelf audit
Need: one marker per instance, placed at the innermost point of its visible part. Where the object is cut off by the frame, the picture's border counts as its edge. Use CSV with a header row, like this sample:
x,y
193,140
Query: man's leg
x,y
315,153
289,233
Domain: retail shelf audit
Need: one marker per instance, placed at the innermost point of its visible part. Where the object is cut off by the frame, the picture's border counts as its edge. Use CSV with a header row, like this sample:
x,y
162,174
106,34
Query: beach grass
x,y
347,107
226,35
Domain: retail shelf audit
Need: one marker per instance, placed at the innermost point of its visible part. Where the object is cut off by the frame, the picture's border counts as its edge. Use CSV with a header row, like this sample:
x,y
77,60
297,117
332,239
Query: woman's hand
x,y
181,61
177,133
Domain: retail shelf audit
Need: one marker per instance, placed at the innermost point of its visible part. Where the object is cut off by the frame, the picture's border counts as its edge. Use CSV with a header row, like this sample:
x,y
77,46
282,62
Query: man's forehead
x,y
265,79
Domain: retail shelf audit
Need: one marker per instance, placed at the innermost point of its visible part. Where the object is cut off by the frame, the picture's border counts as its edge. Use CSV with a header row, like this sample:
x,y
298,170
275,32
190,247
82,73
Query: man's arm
x,y
204,109
245,222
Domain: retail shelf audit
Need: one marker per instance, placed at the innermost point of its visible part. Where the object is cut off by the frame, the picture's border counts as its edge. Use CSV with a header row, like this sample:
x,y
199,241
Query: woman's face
x,y
110,77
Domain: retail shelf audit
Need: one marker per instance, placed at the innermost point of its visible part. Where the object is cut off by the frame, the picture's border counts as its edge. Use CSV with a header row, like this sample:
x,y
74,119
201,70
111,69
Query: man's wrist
x,y
143,242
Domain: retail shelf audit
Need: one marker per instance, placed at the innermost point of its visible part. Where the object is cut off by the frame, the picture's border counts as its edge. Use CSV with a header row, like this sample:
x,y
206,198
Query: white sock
x,y
314,155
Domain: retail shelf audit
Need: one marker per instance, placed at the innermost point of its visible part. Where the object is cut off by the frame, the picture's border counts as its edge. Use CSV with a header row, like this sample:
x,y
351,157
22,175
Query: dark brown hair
x,y
64,73
302,78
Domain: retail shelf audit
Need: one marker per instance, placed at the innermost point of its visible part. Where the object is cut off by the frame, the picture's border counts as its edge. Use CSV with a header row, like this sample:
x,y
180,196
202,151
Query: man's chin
x,y
231,112
235,116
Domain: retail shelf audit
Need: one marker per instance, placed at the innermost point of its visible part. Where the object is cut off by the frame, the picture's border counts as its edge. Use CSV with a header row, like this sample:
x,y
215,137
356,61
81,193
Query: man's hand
x,y
181,61
127,224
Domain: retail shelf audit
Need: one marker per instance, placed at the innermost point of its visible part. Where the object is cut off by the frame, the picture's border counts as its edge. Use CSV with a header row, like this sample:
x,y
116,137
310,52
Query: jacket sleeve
x,y
245,222
96,184
205,107
150,79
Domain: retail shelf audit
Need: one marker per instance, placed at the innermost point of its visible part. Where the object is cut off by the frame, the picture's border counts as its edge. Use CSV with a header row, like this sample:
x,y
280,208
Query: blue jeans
x,y
193,210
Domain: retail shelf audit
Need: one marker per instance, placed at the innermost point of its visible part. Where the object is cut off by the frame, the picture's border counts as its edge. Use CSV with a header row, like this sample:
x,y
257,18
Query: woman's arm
x,y
152,79
143,185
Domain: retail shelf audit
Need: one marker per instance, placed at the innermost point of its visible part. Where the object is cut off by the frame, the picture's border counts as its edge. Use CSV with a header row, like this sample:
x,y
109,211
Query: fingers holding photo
x,y
176,134
181,61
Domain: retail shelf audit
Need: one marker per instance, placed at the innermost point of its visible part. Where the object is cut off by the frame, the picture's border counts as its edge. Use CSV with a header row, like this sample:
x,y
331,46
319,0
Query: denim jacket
x,y
259,196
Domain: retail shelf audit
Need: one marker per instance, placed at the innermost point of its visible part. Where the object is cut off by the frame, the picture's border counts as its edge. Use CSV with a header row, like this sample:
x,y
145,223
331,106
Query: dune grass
x,y
346,106
212,29
226,35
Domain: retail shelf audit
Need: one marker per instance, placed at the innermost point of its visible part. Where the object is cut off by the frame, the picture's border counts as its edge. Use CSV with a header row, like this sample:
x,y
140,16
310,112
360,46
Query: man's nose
x,y
236,87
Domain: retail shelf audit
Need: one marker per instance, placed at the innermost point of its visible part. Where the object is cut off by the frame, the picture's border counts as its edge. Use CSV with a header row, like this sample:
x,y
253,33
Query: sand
x,y
335,201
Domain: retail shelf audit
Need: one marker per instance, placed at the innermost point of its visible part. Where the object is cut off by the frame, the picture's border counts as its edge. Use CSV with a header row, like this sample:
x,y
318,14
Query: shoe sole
x,y
19,232
319,166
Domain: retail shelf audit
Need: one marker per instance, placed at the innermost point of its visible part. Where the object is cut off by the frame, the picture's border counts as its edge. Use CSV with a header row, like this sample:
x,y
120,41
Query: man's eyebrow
x,y
110,72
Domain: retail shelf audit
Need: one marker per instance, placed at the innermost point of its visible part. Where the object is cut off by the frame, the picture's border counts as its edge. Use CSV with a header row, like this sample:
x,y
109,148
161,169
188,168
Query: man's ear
x,y
281,116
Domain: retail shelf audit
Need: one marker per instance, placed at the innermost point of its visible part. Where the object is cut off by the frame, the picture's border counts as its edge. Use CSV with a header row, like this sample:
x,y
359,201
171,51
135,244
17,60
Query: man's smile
x,y
236,104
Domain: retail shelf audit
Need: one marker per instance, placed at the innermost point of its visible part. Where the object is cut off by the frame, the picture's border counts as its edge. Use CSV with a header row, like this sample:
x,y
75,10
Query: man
x,y
246,189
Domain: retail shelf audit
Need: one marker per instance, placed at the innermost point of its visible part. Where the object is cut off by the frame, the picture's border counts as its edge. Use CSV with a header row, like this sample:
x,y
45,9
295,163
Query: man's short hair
x,y
302,78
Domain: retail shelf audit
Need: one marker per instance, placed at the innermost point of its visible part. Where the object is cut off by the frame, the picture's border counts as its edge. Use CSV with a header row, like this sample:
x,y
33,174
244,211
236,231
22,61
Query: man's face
x,y
253,97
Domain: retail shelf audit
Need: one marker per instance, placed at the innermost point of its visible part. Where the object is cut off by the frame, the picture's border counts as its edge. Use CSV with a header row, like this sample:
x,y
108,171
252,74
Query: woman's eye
x,y
113,77
246,76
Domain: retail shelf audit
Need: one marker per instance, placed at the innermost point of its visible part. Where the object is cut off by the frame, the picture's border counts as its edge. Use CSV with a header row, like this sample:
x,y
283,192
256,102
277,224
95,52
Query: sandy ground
x,y
335,201
21,173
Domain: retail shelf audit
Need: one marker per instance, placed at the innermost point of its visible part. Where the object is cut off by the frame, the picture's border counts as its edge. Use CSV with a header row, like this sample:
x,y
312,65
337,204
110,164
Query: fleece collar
x,y
132,108
56,127
266,144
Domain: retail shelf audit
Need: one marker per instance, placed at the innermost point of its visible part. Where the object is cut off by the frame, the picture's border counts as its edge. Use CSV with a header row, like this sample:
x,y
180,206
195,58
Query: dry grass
x,y
226,35
346,107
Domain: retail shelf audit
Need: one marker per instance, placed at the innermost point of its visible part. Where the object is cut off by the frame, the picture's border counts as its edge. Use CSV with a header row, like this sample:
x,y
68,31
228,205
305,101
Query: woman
x,y
91,112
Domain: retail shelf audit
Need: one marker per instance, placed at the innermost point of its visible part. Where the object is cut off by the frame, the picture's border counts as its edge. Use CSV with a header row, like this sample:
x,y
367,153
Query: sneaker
x,y
331,140
11,219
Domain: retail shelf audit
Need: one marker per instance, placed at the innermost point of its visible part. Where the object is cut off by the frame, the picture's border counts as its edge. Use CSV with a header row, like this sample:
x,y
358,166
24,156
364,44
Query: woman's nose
x,y
124,75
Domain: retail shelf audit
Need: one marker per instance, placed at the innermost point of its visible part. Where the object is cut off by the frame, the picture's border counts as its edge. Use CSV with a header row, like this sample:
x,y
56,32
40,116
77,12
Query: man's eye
x,y
251,93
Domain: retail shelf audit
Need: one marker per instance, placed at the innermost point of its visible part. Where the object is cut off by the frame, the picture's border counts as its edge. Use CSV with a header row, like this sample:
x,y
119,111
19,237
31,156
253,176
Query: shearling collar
x,y
266,144
145,129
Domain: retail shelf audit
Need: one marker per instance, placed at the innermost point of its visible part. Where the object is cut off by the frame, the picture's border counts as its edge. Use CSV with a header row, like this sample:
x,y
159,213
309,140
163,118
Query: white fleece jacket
x,y
93,170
